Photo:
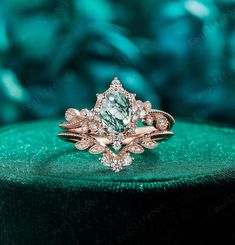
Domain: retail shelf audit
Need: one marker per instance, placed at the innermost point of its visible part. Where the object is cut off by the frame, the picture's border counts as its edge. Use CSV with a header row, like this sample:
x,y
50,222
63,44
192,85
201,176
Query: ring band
x,y
115,121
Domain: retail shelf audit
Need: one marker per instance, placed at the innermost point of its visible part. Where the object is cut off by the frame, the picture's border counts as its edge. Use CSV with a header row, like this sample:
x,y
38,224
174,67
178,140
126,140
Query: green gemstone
x,y
116,111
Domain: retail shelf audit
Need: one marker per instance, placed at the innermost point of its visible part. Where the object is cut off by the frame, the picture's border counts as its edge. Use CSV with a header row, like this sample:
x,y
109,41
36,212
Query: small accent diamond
x,y
127,160
71,114
149,120
90,115
143,113
117,145
99,96
162,123
116,137
96,118
93,126
135,148
135,117
149,144
84,112
116,82
148,105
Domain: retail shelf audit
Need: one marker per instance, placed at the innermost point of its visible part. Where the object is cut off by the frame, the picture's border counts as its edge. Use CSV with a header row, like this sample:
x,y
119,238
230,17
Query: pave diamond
x,y
116,111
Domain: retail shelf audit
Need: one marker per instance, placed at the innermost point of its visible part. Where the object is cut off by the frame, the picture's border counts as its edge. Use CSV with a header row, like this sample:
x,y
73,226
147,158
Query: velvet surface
x,y
52,193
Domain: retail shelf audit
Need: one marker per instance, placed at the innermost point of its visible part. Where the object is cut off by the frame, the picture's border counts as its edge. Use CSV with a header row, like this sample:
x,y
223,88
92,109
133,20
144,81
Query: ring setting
x,y
119,125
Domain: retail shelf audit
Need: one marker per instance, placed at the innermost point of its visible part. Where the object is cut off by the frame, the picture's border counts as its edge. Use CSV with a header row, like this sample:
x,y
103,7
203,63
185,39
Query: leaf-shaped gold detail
x,y
71,114
135,148
73,124
97,149
82,145
149,144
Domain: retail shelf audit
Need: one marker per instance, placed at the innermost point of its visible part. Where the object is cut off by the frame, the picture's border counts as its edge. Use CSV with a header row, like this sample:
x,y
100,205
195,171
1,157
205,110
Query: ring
x,y
117,126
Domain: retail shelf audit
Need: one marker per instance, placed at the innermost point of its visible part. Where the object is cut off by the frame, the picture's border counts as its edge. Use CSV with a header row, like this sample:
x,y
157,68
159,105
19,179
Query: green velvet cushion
x,y
52,193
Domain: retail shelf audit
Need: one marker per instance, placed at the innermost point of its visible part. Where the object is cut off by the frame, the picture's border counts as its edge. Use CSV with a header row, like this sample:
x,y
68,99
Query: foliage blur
x,y
56,54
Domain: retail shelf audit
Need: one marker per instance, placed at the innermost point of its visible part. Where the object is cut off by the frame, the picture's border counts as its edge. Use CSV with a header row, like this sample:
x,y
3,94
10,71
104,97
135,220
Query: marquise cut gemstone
x,y
116,111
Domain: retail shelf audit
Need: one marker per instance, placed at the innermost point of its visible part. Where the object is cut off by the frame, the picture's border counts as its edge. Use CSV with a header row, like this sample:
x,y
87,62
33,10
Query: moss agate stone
x,y
116,111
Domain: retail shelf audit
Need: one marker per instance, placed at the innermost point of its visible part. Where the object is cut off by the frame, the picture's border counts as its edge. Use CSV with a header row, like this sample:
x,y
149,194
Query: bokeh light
x,y
58,54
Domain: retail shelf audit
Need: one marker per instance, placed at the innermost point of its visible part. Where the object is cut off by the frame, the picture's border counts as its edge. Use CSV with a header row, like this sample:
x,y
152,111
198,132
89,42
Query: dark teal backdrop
x,y
55,54
58,54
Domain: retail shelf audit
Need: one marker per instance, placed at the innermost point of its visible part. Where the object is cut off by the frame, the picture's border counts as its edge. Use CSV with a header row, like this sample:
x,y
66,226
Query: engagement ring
x,y
117,126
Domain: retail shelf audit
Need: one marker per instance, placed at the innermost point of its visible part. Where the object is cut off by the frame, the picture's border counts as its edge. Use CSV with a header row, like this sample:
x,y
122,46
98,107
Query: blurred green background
x,y
56,54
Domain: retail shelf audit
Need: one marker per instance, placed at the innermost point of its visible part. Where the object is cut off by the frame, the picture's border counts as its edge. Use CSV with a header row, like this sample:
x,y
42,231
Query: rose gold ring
x,y
117,126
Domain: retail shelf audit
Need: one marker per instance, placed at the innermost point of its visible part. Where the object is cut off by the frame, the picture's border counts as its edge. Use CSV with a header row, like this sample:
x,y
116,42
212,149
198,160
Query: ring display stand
x,y
50,193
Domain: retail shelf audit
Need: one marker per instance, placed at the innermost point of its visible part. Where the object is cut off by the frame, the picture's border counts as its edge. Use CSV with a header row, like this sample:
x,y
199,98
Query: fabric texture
x,y
52,193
